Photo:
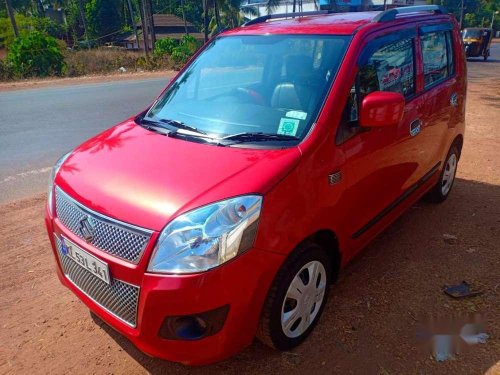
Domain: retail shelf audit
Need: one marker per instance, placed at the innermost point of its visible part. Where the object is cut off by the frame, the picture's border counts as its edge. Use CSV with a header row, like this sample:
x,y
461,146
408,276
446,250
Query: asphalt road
x,y
39,125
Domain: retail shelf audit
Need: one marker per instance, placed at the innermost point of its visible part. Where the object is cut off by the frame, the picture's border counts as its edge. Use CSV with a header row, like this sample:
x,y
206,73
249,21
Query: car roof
x,y
333,23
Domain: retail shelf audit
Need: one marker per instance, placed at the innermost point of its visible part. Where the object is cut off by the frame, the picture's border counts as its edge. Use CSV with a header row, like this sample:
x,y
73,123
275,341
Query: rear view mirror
x,y
382,108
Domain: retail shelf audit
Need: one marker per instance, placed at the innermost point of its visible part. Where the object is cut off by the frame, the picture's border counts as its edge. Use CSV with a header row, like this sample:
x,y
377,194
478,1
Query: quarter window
x,y
437,56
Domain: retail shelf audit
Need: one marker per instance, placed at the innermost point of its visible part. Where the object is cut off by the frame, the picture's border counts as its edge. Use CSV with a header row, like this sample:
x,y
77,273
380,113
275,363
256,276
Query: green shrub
x,y
49,27
186,48
5,71
165,46
155,62
35,55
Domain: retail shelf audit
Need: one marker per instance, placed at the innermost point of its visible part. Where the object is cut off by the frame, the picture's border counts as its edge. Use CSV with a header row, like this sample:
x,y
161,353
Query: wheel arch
x,y
328,241
459,143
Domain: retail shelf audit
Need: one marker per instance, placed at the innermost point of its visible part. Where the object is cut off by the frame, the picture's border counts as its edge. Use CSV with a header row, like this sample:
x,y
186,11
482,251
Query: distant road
x,y
38,125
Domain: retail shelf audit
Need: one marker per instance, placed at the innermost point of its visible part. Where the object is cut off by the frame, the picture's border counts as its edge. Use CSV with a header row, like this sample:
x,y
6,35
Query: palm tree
x,y
273,4
84,22
10,11
184,17
228,14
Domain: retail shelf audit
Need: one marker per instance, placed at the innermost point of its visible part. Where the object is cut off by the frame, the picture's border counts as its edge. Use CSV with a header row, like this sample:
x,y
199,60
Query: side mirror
x,y
382,108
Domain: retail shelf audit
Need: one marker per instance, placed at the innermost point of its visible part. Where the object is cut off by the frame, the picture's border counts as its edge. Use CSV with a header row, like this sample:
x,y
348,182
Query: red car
x,y
227,208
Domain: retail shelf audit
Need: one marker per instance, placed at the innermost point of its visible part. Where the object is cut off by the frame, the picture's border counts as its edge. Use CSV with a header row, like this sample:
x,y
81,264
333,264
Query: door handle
x,y
454,99
415,127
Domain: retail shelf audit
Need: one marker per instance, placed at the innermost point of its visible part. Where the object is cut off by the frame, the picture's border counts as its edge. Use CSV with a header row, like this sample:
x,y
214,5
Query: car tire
x,y
442,189
290,313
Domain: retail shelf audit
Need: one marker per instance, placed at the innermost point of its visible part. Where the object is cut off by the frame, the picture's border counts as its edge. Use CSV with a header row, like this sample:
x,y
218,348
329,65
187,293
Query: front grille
x,y
120,239
118,298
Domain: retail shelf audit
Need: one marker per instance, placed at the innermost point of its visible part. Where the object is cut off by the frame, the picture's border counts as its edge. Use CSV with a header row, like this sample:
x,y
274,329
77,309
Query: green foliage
x,y
193,10
103,18
35,55
5,71
165,46
49,27
24,24
186,48
179,51
477,13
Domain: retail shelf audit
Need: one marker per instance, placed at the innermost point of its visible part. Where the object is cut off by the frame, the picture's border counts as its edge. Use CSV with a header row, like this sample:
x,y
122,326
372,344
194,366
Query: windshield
x,y
472,34
254,84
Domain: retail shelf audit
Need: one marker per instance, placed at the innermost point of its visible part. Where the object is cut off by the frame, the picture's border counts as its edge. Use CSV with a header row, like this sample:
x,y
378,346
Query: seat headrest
x,y
298,66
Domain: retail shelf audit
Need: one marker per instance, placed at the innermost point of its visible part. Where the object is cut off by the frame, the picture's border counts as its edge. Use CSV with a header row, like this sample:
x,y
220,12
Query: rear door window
x,y
437,56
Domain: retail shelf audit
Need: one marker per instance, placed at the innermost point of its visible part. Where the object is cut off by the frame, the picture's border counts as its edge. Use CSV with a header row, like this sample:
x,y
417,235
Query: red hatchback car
x,y
226,208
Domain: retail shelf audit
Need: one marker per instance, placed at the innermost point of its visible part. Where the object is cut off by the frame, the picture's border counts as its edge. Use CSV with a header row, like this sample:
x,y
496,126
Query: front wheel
x,y
442,189
296,298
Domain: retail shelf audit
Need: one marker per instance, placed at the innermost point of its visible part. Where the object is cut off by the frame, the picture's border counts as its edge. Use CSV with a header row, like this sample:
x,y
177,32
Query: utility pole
x,y
151,24
84,23
493,19
131,11
10,11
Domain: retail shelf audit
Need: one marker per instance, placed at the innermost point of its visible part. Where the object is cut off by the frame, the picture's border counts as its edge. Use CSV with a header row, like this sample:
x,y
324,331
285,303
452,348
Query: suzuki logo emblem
x,y
86,229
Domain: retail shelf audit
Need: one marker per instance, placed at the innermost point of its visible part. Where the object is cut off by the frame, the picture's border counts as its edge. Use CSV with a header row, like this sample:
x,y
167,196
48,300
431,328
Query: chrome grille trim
x,y
123,240
120,299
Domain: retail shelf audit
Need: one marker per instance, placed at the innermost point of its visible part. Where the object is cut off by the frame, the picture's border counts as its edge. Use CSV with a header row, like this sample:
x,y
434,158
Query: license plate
x,y
89,262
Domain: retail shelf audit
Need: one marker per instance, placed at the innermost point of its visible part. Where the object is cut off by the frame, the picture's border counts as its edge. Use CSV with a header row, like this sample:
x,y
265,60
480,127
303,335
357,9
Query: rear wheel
x,y
442,189
296,298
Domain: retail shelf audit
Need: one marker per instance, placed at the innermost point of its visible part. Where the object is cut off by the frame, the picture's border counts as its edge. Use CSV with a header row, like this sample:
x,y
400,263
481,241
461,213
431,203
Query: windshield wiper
x,y
181,125
258,137
157,127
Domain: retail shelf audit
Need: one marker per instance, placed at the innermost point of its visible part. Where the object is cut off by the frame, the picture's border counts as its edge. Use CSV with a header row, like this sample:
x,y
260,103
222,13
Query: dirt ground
x,y
371,321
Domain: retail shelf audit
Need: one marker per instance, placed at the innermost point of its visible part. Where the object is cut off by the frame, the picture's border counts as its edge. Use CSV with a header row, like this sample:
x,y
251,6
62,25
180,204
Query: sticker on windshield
x,y
288,126
297,114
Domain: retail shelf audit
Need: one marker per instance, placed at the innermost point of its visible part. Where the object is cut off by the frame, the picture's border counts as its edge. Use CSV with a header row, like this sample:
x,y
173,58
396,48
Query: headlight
x,y
207,237
52,177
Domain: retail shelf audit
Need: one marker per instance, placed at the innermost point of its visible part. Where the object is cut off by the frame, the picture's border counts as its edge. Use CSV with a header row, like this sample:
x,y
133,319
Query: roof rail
x,y
390,15
285,15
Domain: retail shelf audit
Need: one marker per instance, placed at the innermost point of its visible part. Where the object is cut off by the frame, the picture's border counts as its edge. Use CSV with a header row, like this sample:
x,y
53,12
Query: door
x,y
441,94
381,163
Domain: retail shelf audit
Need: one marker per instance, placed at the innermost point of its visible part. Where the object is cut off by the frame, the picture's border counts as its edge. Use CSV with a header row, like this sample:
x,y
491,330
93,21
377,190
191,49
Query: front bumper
x,y
242,284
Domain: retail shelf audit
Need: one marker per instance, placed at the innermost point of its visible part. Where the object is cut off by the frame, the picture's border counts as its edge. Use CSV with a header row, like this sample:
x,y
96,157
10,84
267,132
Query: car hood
x,y
145,178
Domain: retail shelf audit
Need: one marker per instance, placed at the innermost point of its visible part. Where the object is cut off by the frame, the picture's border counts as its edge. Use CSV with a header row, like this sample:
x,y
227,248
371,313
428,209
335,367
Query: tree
x,y
296,6
476,12
228,14
10,12
104,19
